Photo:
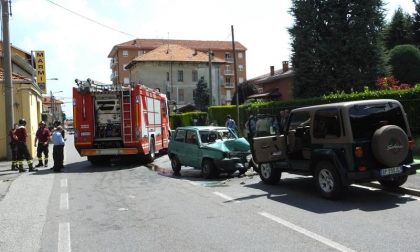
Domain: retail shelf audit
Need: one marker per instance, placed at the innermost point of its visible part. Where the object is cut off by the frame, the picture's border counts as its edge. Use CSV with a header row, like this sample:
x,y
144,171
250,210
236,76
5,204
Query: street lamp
x,y
53,105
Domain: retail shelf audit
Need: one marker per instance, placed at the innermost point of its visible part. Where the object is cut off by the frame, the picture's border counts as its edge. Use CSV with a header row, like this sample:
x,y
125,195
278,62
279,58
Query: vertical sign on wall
x,y
41,77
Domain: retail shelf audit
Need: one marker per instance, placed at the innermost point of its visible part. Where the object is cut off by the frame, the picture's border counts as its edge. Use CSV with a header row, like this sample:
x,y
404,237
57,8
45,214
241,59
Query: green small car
x,y
212,149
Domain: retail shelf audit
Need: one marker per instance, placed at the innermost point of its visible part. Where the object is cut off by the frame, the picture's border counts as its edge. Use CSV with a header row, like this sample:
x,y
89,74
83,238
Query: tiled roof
x,y
174,53
47,100
278,74
201,45
15,77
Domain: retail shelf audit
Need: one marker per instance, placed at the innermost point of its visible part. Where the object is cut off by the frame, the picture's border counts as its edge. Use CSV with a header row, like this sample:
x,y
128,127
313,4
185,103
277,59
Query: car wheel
x,y
151,156
268,174
176,165
207,169
328,181
393,182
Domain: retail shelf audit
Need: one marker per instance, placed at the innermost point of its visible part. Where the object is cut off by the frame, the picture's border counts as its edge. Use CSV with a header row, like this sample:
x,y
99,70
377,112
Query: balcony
x,y
113,63
113,76
229,60
229,85
228,72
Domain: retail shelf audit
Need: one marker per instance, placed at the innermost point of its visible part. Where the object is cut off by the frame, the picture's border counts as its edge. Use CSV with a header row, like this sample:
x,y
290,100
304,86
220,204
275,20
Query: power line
x,y
91,20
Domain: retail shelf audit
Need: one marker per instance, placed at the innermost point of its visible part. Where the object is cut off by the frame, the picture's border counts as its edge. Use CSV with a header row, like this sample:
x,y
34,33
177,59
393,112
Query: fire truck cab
x,y
114,120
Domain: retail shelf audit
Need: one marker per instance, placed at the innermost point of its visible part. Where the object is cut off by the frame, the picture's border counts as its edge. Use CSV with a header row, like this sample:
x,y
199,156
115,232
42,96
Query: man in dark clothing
x,y
23,152
13,146
42,136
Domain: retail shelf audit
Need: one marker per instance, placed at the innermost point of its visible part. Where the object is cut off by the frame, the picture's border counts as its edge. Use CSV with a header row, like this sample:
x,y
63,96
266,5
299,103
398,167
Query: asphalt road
x,y
128,206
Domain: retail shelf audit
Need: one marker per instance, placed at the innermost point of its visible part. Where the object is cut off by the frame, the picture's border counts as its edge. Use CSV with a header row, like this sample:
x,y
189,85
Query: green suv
x,y
211,149
340,144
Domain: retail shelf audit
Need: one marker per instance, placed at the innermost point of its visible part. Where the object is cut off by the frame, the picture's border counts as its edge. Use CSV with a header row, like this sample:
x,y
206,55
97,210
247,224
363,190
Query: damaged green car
x,y
209,148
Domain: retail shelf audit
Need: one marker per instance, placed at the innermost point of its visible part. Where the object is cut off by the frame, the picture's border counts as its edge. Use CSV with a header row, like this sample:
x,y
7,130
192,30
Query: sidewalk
x,y
23,208
7,176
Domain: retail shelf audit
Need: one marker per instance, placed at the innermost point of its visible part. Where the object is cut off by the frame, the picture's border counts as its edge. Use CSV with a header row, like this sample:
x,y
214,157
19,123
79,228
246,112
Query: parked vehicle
x,y
209,148
114,120
340,144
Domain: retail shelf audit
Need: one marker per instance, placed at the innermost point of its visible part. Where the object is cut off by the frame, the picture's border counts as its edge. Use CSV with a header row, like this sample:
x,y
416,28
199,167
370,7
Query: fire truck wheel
x,y
151,156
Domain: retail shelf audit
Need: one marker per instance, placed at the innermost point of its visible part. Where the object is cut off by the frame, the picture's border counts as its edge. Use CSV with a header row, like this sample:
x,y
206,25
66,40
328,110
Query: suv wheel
x,y
176,165
393,182
207,169
268,174
328,181
390,145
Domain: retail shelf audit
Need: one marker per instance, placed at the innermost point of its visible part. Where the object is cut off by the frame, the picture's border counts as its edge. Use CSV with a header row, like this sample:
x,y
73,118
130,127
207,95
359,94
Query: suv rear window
x,y
366,119
180,136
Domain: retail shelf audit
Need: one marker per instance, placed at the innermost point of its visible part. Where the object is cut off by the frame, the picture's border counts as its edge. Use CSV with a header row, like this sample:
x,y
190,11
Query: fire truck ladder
x,y
126,114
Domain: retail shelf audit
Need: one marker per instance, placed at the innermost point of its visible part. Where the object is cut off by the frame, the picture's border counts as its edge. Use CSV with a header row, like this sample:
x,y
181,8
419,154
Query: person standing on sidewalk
x,y
23,152
58,149
42,136
13,146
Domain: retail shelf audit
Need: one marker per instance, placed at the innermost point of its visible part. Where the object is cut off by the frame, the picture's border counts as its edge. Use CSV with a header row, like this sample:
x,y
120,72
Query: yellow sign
x,y
41,77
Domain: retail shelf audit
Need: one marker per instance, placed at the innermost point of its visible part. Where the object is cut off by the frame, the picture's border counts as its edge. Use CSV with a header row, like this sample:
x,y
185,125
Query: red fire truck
x,y
115,120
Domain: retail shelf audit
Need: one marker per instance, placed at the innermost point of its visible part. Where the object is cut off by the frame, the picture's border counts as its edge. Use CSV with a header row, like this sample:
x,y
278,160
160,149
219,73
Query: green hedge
x,y
188,119
410,98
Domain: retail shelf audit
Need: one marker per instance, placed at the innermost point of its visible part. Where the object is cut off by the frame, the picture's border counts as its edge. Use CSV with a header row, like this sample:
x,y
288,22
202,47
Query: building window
x,y
228,57
126,80
125,53
124,67
228,95
240,55
167,76
180,95
241,68
194,75
141,52
180,75
241,79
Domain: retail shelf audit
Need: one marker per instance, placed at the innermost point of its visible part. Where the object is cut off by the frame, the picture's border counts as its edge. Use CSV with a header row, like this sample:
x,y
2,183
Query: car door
x,y
191,149
176,146
268,148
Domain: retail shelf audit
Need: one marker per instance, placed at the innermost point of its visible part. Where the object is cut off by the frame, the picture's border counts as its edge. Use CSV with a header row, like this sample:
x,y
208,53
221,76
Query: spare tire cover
x,y
390,145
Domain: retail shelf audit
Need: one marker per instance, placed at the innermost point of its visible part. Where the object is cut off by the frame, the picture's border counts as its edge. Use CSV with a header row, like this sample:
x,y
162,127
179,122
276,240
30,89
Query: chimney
x,y
285,66
271,70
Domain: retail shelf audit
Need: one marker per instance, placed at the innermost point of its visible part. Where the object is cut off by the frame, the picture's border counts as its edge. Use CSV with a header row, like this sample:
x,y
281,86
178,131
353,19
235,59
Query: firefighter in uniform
x,y
42,136
13,146
23,152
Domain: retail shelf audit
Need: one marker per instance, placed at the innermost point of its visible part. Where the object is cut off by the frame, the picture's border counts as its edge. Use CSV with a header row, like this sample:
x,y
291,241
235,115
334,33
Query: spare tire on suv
x,y
390,145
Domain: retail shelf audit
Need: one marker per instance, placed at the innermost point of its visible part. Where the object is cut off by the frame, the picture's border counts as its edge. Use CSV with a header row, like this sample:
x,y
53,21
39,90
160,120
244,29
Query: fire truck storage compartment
x,y
108,117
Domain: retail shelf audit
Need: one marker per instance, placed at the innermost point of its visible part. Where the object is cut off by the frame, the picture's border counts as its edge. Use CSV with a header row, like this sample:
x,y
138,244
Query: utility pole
x,y
52,107
210,80
235,76
7,65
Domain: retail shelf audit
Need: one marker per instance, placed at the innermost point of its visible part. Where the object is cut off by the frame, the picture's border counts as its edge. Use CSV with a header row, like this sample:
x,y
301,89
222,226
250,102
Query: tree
x,y
202,95
416,23
405,63
245,89
399,31
335,45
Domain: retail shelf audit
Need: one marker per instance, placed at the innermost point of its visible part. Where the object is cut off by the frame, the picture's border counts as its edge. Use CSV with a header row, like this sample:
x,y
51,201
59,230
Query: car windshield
x,y
366,119
209,136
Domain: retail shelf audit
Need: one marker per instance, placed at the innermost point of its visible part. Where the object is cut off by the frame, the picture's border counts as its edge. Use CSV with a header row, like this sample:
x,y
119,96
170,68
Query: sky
x,y
78,47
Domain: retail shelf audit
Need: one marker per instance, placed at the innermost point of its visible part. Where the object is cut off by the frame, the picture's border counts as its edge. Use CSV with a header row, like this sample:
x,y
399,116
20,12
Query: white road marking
x,y
63,183
226,197
64,201
391,193
64,242
194,183
308,233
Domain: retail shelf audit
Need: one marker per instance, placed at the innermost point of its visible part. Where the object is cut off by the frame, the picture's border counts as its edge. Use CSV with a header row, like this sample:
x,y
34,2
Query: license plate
x,y
389,171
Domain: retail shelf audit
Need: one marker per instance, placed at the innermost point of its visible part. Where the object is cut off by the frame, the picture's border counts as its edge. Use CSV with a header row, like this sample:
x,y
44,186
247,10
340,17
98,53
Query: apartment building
x,y
122,54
